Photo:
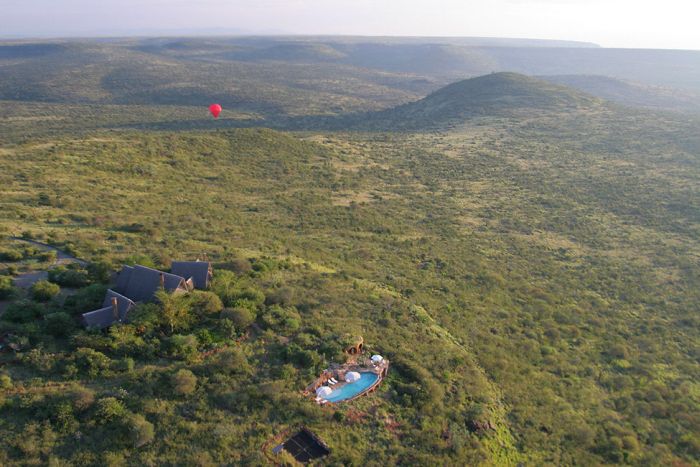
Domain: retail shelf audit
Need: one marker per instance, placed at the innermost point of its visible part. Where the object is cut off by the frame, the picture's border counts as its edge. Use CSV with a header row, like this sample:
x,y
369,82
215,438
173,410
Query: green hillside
x,y
529,265
490,96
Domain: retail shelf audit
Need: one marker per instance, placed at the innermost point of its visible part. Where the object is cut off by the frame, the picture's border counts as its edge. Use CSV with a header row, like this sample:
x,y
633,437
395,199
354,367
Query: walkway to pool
x,y
344,383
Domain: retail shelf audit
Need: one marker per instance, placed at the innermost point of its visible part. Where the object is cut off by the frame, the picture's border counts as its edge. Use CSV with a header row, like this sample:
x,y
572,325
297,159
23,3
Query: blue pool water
x,y
350,390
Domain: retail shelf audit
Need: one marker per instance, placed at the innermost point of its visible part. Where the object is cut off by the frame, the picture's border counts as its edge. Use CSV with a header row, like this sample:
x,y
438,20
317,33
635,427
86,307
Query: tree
x,y
175,311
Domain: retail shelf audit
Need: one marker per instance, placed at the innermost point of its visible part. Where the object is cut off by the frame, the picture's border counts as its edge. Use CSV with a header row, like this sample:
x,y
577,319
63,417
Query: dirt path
x,y
61,256
26,280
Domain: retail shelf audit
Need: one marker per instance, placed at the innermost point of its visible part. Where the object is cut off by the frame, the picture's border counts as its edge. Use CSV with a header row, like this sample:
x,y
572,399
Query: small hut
x,y
353,345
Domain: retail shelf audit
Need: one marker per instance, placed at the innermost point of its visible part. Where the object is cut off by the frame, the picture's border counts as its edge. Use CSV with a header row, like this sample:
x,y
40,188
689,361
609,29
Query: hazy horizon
x,y
626,24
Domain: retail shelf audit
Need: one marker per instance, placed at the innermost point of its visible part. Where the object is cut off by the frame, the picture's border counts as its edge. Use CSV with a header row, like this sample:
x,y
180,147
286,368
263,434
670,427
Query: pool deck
x,y
339,372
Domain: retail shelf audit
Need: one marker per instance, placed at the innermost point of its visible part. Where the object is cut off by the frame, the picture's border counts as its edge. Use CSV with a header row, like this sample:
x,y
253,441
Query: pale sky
x,y
610,23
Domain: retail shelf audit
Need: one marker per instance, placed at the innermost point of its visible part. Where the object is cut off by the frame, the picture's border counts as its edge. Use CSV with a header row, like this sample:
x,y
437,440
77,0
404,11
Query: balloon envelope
x,y
215,110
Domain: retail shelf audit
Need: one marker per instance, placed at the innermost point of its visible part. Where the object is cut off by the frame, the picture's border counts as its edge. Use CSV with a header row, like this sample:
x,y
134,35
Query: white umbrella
x,y
377,359
352,376
323,391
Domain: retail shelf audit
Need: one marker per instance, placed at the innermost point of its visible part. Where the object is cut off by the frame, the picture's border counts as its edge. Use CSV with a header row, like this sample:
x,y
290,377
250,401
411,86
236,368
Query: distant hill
x,y
630,93
185,72
496,94
308,76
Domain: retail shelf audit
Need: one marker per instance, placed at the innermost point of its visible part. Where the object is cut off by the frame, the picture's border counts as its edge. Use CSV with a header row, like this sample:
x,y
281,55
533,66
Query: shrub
x,y
141,430
11,255
43,291
281,319
109,409
242,318
23,311
240,265
235,292
227,327
145,316
180,346
63,418
250,294
282,296
143,260
206,303
39,360
6,288
301,357
126,365
72,276
86,299
81,397
100,271
184,382
48,256
5,381
91,361
59,324
232,361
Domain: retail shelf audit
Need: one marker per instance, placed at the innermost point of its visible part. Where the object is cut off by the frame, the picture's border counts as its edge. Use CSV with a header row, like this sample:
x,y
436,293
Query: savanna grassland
x,y
527,257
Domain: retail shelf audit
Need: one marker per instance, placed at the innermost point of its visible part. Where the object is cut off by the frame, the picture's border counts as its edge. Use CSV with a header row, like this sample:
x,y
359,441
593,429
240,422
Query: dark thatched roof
x,y
124,305
199,271
142,283
102,318
123,278
106,316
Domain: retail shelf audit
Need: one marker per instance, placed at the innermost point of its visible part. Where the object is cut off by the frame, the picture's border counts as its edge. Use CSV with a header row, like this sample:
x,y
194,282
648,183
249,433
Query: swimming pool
x,y
350,390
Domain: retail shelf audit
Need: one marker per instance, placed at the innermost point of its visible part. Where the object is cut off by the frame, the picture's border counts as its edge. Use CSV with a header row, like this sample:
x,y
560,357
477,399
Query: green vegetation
x,y
43,291
6,288
494,95
531,279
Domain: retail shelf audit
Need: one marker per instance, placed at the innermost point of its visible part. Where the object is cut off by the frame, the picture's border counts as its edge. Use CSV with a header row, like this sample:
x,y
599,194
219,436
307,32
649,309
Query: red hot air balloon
x,y
215,110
